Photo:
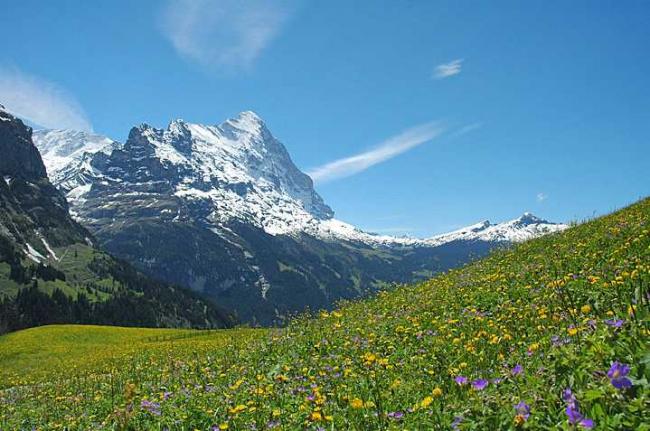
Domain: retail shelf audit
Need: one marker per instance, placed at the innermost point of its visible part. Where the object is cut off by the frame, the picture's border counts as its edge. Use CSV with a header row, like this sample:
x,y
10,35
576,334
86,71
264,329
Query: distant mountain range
x,y
52,272
222,209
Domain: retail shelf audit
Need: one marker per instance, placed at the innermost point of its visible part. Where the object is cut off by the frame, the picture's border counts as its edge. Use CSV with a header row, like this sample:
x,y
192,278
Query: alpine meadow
x,y
551,334
223,215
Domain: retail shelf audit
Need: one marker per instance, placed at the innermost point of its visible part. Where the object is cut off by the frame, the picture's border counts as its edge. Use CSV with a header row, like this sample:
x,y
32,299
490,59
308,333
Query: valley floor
x,y
552,334
43,354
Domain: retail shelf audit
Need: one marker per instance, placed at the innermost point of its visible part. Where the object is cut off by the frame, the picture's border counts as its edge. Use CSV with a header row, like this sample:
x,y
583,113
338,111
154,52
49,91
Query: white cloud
x,y
465,130
40,101
446,70
386,150
225,33
541,197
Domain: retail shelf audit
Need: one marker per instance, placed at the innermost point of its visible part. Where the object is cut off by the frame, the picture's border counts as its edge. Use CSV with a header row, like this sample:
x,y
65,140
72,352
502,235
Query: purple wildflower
x,y
558,341
151,407
586,423
517,370
615,323
396,415
618,375
575,417
567,396
480,384
460,380
573,411
456,422
523,410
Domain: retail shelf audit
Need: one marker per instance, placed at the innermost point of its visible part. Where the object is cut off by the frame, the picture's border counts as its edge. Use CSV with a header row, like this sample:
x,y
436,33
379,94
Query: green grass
x,y
37,355
74,261
8,287
562,308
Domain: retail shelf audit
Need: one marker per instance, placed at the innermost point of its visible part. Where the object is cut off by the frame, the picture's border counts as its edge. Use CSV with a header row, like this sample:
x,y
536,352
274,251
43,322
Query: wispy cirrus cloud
x,y
446,70
40,101
541,197
388,149
466,129
223,33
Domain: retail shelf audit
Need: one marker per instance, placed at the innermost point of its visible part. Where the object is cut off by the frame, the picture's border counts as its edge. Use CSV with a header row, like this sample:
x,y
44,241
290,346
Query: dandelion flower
x,y
356,403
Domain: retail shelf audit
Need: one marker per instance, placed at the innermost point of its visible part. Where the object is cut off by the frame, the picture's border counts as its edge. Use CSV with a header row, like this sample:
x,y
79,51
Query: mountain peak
x,y
250,116
238,170
178,122
246,121
529,218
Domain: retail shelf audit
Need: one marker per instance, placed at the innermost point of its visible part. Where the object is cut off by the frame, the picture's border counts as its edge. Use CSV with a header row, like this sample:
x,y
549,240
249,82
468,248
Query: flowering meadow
x,y
551,334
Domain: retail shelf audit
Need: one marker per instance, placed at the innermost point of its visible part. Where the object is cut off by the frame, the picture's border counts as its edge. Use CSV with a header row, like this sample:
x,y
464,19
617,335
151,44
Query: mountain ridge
x,y
180,136
223,209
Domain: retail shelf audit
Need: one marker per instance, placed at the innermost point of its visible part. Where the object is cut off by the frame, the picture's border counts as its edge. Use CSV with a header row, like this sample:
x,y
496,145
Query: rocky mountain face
x,y
223,210
46,254
34,213
68,155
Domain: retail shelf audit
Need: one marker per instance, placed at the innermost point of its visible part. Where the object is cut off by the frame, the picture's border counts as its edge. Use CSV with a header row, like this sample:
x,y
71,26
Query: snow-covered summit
x,y
517,230
238,165
520,229
68,154
247,121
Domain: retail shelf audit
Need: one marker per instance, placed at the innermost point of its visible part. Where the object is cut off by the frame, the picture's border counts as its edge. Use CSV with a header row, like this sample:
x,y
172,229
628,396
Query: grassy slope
x,y
74,262
391,362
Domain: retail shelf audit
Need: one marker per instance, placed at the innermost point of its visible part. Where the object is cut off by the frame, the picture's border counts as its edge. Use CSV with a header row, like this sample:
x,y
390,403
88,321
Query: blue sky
x,y
461,110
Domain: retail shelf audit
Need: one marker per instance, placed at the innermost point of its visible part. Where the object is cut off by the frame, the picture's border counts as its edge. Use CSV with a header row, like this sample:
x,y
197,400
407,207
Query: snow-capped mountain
x,y
43,249
243,172
224,210
520,229
68,154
